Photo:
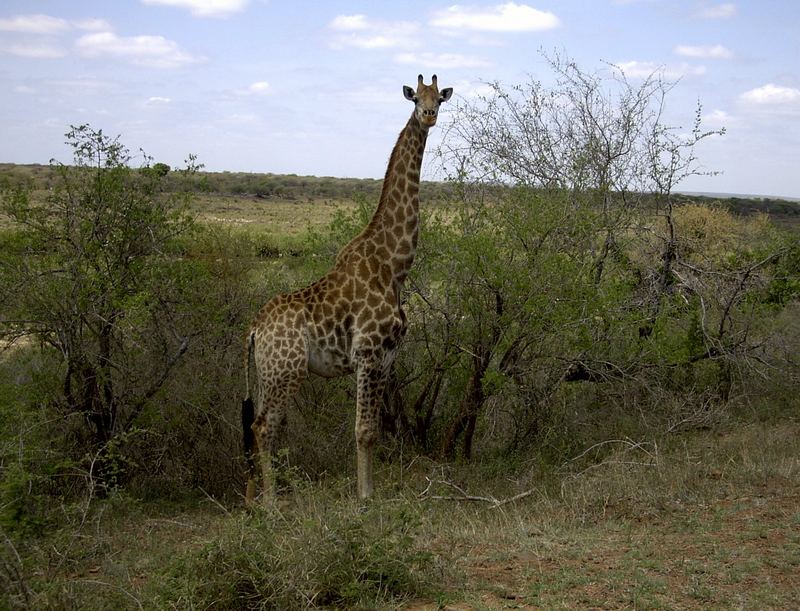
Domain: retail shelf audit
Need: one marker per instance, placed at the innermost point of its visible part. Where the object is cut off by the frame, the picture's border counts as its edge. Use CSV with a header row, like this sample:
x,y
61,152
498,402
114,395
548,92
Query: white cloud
x,y
92,24
378,41
365,33
717,11
473,89
157,100
24,89
150,51
45,24
241,118
704,52
636,69
440,60
718,118
33,50
509,17
773,97
259,87
205,8
349,22
34,24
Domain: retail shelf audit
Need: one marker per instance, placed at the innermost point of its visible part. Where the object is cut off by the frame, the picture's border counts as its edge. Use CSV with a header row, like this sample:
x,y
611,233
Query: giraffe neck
x,y
395,223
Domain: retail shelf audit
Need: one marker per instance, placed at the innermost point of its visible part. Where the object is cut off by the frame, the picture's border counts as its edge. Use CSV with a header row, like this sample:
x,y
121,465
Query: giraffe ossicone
x,y
350,320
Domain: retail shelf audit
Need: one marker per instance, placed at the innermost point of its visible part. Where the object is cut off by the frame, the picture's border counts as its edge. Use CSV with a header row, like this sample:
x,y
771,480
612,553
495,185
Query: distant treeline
x,y
266,186
294,187
748,205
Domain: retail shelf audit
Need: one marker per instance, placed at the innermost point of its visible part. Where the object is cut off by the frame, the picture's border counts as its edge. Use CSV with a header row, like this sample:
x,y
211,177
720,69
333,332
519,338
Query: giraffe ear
x,y
409,93
445,94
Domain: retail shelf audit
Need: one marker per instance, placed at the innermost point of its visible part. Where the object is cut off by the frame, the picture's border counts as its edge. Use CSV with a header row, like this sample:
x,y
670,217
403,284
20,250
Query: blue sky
x,y
313,87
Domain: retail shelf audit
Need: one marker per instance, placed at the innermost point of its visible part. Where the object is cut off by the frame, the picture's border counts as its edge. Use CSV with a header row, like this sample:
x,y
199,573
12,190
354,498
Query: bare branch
x,y
464,496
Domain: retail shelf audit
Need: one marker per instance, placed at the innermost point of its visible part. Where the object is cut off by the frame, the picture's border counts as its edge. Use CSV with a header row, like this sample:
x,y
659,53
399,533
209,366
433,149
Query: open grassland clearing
x,y
273,217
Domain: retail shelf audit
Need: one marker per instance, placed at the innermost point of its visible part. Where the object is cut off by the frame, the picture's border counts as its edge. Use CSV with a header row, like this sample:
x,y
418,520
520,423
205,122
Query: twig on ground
x,y
12,572
116,587
216,502
464,496
631,445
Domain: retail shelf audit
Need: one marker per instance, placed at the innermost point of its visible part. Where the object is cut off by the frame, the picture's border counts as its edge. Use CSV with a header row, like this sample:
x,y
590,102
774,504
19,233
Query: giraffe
x,y
349,321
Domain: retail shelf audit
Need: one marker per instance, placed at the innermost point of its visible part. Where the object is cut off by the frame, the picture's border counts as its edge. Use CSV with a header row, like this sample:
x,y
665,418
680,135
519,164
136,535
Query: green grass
x,y
669,535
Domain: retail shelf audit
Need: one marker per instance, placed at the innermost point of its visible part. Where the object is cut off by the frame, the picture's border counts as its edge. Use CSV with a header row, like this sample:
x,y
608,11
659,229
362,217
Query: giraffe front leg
x,y
365,481
250,492
370,382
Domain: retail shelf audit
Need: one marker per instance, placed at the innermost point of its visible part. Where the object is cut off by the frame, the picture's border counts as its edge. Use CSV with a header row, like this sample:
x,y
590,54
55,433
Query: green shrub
x,y
22,506
339,557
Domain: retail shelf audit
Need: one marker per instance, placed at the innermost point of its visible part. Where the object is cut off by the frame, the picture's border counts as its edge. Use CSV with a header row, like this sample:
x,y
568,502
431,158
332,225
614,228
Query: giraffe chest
x,y
368,330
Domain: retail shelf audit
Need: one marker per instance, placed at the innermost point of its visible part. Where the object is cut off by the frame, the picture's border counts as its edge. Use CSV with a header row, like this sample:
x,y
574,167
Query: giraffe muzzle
x,y
429,117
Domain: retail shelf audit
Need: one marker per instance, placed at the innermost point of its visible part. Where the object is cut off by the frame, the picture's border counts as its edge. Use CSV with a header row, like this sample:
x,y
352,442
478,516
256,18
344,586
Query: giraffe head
x,y
427,99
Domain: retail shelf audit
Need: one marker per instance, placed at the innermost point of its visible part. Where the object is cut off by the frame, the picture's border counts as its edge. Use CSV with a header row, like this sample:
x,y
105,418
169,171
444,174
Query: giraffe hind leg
x,y
267,429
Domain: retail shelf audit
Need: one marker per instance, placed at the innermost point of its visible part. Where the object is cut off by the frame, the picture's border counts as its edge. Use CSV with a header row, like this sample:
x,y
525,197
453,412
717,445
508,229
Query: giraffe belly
x,y
328,362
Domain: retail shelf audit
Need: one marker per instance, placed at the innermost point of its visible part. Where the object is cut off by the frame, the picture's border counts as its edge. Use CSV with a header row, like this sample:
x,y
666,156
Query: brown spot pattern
x,y
351,319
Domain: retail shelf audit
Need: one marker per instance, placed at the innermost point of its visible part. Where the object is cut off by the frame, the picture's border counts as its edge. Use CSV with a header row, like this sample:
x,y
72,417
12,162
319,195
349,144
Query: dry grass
x,y
709,520
274,216
712,521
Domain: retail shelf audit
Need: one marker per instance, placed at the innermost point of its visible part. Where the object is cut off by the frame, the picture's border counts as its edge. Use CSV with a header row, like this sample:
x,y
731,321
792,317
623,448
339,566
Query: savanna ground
x,y
701,518
706,521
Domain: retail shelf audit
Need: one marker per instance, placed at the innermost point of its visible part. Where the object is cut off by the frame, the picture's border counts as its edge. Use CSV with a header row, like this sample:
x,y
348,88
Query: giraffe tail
x,y
248,410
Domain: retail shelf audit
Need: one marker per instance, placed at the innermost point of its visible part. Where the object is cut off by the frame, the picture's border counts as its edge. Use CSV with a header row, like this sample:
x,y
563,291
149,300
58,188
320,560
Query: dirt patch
x,y
740,549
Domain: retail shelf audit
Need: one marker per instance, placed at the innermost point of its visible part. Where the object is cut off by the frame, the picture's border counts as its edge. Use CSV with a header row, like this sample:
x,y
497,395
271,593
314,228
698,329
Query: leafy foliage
x,y
91,274
339,558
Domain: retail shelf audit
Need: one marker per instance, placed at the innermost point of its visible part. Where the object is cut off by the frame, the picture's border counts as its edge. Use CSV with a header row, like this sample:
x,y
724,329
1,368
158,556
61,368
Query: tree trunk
x,y
469,408
668,258
428,396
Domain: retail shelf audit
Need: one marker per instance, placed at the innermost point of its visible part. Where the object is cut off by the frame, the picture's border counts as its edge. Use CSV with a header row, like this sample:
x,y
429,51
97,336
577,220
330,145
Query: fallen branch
x,y
215,501
628,446
464,496
631,445
13,573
